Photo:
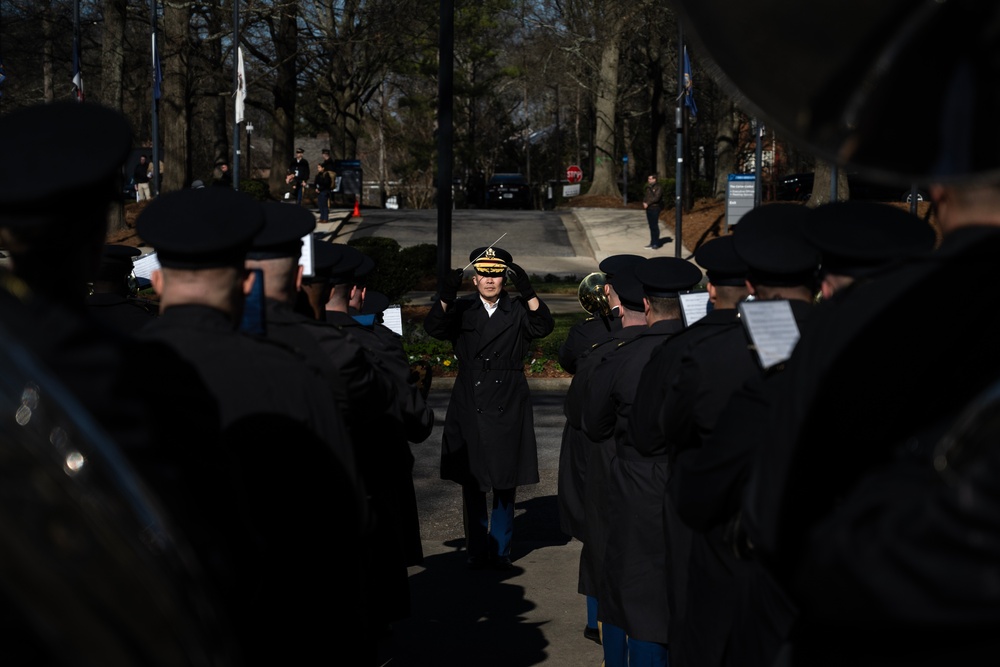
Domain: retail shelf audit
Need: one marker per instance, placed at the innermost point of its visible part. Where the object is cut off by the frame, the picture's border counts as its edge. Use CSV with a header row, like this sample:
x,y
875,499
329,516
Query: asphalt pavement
x,y
595,233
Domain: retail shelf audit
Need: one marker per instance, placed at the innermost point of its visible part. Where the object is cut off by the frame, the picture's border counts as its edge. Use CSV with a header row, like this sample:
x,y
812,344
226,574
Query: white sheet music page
x,y
694,306
392,317
772,330
143,267
306,258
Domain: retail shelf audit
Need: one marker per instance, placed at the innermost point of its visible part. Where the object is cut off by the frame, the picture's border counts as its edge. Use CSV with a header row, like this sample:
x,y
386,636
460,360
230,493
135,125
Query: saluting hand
x,y
522,282
449,287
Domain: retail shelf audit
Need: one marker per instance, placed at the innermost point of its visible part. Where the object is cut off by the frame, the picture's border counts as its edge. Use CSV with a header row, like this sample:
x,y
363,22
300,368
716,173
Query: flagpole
x,y
154,182
679,122
235,171
77,73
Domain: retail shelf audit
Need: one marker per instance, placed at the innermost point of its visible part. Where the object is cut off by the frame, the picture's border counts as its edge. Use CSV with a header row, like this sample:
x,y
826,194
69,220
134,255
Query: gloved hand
x,y
449,288
521,282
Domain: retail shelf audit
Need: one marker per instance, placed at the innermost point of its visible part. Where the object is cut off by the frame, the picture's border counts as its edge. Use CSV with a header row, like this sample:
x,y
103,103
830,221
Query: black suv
x,y
509,190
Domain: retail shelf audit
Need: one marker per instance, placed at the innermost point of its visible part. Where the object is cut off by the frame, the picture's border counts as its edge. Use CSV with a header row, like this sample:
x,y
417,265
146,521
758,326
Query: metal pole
x,y
625,179
446,76
236,86
758,155
249,160
77,66
679,122
154,181
834,177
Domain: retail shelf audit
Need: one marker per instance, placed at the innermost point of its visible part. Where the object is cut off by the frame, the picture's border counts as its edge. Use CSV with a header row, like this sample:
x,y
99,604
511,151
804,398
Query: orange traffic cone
x,y
357,209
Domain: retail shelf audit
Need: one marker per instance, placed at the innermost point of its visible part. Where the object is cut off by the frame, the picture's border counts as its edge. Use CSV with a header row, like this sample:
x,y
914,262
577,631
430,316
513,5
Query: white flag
x,y
241,86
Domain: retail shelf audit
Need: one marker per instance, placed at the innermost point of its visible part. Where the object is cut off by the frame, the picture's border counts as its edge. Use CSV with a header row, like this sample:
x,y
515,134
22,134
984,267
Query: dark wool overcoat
x,y
489,435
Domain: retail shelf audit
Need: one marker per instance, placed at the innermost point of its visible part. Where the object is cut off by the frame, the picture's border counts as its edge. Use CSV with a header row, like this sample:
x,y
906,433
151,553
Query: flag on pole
x,y
689,85
3,77
157,72
78,85
241,86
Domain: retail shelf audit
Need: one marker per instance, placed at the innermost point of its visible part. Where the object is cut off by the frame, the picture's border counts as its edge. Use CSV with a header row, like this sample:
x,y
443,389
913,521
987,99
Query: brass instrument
x,y
592,297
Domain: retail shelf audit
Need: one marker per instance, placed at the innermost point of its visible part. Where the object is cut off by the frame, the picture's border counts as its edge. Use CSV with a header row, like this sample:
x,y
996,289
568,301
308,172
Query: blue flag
x,y
689,85
3,77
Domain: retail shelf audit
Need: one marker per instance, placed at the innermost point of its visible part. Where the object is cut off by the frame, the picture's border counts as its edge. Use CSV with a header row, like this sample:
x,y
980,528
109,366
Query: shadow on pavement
x,y
462,618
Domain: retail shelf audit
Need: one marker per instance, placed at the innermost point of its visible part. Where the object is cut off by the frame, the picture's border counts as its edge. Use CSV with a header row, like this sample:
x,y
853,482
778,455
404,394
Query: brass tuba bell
x,y
592,296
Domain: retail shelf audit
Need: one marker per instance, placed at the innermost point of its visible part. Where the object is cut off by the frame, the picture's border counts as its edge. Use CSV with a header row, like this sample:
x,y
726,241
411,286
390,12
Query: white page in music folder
x,y
694,306
772,330
392,317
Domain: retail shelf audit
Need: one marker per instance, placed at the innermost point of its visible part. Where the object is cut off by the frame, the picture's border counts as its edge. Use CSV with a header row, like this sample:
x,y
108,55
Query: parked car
x,y
509,190
799,187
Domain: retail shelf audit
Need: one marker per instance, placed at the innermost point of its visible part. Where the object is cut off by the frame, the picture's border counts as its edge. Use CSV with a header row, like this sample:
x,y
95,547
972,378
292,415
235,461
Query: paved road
x,y
527,232
531,615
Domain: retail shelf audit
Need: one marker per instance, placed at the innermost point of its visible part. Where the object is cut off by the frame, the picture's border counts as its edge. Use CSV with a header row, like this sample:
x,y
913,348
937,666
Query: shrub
x,y
256,188
397,271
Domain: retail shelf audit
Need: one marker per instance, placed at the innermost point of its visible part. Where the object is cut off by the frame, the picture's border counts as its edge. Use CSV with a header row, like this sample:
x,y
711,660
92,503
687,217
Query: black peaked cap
x,y
281,236
116,261
771,241
375,303
90,141
335,262
364,269
667,276
490,261
856,238
628,287
721,262
609,266
201,228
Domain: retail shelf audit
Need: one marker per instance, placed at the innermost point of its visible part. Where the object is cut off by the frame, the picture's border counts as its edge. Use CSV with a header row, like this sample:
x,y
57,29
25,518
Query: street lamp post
x,y
249,155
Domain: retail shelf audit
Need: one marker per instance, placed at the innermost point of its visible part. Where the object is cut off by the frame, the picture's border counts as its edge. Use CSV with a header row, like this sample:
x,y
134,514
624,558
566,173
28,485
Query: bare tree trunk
x,y
47,84
283,136
823,179
220,104
112,75
113,54
605,106
726,137
174,112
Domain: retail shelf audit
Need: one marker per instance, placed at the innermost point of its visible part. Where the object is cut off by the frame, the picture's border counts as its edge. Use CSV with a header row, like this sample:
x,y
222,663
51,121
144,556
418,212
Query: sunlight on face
x,y
488,286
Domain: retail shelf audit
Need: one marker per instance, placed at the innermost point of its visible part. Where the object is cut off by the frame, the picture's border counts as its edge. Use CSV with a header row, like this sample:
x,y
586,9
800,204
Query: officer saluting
x,y
489,436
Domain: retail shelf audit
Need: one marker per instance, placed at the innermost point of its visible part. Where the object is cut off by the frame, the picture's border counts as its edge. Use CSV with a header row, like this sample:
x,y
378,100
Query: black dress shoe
x,y
593,634
502,563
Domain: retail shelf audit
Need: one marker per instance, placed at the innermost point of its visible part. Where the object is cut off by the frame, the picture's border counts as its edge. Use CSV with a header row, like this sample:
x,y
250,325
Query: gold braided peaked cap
x,y
490,261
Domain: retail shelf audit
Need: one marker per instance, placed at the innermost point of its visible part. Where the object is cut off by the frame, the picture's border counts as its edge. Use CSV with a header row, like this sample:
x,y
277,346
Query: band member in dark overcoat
x,y
489,437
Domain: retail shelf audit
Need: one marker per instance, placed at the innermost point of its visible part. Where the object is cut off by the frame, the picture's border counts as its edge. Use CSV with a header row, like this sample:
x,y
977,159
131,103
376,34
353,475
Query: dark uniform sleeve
x,y
539,323
577,342
599,415
445,324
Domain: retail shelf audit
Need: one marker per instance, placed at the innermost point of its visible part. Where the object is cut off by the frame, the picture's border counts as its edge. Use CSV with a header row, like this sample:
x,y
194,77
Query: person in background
x,y
323,184
652,201
298,173
141,176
